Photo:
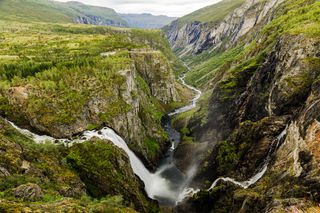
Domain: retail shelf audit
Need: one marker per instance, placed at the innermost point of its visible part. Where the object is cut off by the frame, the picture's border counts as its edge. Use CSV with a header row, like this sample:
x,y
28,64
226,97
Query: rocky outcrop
x,y
129,105
97,20
53,177
156,71
28,192
106,171
278,87
196,37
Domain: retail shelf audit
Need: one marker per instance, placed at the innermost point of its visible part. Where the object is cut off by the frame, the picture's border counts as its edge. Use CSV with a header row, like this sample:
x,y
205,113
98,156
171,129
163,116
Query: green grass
x,y
212,13
206,65
292,18
152,146
49,11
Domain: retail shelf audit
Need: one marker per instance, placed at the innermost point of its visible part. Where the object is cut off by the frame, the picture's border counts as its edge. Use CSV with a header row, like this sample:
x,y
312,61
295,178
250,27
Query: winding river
x,y
167,185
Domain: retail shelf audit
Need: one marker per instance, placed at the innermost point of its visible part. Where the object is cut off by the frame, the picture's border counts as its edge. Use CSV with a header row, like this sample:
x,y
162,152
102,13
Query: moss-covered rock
x,y
92,176
106,171
28,192
93,78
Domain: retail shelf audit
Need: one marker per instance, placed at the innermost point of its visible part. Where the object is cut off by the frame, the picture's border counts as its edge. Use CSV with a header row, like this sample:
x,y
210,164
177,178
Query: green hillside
x,y
49,11
147,21
212,13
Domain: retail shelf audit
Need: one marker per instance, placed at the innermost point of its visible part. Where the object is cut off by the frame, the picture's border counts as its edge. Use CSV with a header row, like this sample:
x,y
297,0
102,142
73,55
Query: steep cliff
x,y
260,73
193,36
78,78
50,178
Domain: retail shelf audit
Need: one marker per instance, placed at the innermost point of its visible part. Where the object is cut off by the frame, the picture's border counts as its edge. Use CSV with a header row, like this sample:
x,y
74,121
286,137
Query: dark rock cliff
x,y
253,98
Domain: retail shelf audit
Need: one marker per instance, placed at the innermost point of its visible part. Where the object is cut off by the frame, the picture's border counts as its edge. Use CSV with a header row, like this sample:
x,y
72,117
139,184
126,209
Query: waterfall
x,y
167,183
261,171
160,185
155,185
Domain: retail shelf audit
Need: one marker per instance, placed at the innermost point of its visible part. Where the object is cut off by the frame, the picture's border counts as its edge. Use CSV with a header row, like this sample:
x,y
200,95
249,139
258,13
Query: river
x,y
167,185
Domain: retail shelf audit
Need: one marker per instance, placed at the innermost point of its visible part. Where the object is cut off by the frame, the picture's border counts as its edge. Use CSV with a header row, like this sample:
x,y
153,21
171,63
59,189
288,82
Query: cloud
x,y
156,7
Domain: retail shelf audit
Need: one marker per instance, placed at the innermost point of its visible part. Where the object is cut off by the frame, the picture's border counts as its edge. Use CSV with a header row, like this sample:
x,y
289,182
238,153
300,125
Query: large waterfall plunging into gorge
x,y
167,185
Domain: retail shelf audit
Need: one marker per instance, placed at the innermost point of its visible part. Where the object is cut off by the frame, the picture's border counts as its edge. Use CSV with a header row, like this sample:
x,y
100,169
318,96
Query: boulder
x,y
28,192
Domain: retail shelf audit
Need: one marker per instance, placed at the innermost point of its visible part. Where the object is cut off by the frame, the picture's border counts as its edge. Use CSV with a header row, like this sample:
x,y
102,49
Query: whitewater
x,y
167,185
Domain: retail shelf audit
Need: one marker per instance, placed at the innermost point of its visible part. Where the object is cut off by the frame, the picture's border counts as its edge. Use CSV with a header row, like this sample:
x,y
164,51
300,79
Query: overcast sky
x,y
157,7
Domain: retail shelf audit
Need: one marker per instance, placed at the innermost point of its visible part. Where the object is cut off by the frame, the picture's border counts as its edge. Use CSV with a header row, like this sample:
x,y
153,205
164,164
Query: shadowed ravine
x,y
167,184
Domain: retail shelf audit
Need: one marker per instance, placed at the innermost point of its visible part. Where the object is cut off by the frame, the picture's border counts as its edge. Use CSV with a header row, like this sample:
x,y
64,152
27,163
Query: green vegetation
x,y
212,13
55,12
293,17
50,69
152,146
147,21
227,157
91,176
206,65
75,77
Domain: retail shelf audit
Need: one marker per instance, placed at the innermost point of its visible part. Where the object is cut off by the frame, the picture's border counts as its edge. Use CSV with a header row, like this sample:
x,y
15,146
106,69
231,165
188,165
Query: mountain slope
x,y
50,11
259,69
147,21
212,13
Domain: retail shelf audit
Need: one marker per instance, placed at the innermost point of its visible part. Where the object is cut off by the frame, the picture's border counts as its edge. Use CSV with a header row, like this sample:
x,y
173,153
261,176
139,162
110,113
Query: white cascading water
x,y
262,170
194,100
157,185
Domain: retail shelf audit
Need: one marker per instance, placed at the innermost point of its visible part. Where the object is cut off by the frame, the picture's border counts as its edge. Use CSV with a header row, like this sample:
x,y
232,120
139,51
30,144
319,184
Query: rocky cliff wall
x,y
130,104
195,37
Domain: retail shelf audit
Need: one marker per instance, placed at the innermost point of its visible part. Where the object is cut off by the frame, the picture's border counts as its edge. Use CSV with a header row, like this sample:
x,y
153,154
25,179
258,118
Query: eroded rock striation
x,y
263,99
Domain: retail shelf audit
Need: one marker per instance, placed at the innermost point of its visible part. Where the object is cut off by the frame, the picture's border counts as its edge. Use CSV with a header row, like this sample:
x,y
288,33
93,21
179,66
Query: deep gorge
x,y
216,112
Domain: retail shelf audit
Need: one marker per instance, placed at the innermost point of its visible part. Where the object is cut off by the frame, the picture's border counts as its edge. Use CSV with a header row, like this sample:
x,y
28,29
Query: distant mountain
x,y
147,21
76,12
51,11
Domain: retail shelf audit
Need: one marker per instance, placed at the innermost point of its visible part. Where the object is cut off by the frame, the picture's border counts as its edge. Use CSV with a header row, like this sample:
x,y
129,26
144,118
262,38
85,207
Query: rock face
x,y
131,106
94,169
156,71
277,88
28,192
263,102
195,37
97,20
106,171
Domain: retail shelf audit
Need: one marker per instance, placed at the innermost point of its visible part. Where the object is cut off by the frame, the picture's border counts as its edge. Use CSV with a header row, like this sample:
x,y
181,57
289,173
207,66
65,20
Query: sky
x,y
176,8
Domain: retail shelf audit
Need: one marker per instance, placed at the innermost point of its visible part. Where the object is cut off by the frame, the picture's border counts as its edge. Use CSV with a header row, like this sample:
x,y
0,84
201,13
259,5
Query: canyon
x,y
218,112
